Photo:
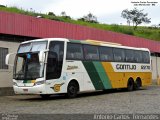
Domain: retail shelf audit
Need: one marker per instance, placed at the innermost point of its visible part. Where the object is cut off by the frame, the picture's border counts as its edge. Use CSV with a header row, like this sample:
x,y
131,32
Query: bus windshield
x,y
27,66
32,47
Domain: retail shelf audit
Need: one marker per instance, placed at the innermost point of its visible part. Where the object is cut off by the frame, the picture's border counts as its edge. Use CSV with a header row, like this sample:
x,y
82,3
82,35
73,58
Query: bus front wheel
x,y
72,89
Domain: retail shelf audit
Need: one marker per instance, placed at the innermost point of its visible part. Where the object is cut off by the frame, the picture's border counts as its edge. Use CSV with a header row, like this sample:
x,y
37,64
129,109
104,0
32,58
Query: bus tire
x,y
45,96
72,89
130,84
138,84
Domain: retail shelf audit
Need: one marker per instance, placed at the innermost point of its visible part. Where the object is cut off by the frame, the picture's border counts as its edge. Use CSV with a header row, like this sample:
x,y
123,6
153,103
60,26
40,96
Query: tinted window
x,y
119,55
106,53
74,51
91,52
3,53
146,57
55,60
137,56
129,55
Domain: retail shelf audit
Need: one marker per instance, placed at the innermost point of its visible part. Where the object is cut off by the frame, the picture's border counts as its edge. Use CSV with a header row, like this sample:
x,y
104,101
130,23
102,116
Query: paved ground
x,y
117,101
143,101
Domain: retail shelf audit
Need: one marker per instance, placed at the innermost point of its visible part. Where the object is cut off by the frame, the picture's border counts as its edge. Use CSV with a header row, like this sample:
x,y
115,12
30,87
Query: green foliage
x,y
152,33
2,6
135,16
89,18
51,13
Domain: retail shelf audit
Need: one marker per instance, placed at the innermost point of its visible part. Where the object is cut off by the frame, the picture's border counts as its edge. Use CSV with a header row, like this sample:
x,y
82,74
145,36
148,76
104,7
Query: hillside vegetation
x,y
152,33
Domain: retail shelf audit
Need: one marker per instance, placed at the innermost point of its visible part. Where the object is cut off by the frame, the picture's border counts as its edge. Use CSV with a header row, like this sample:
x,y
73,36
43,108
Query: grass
x,y
144,32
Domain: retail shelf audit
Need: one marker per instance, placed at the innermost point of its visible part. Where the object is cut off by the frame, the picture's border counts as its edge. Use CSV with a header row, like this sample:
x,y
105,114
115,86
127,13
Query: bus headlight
x,y
39,82
15,84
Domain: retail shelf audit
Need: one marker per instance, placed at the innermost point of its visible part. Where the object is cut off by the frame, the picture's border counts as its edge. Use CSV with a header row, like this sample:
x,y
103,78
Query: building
x,y
16,28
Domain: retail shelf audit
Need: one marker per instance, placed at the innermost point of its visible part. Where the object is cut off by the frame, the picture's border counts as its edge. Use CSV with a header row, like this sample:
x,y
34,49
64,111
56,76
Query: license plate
x,y
25,90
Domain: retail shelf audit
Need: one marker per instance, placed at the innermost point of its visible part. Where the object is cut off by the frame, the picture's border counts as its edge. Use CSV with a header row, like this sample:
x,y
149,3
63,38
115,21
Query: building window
x,y
3,53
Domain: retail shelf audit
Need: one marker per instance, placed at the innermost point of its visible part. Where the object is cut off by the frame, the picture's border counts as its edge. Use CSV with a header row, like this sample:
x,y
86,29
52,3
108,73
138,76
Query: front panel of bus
x,y
33,77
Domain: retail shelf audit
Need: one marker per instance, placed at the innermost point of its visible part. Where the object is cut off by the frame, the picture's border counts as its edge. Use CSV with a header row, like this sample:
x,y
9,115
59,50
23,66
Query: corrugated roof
x,y
17,24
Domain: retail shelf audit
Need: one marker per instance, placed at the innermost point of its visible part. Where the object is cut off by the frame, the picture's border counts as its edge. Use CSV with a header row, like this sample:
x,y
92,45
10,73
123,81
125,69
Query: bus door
x,y
54,65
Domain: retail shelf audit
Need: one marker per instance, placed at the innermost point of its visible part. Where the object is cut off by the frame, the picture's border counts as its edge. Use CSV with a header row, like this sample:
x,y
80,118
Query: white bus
x,y
57,65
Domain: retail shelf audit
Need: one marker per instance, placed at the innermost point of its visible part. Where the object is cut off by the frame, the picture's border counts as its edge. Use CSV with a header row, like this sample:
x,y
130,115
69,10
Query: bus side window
x,y
119,55
129,55
74,51
145,56
91,52
106,53
137,56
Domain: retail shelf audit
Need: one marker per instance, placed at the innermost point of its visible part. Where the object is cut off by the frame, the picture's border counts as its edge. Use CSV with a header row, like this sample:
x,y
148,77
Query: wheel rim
x,y
72,90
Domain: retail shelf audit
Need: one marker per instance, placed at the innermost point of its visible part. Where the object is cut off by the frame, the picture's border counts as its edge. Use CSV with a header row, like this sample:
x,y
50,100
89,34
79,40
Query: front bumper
x,y
38,89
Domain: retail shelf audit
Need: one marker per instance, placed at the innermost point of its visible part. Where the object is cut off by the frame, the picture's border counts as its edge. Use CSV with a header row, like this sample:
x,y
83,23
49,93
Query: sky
x,y
106,11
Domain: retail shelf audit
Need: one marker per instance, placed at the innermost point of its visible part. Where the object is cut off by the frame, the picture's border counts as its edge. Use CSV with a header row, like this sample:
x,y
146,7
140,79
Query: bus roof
x,y
88,41
46,39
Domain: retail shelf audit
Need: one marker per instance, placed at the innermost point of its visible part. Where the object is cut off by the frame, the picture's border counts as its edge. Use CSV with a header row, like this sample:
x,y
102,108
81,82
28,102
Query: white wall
x,y
155,68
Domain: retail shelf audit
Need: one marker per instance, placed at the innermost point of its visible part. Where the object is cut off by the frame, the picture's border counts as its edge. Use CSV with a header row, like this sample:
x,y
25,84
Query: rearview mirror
x,y
8,58
42,56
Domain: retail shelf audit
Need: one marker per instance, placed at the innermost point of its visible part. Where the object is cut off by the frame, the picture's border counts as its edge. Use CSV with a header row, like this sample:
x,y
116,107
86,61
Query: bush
x,y
51,13
2,6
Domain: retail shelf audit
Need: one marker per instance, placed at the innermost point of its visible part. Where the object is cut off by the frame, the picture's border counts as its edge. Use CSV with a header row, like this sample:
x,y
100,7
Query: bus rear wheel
x,y
72,89
130,85
138,84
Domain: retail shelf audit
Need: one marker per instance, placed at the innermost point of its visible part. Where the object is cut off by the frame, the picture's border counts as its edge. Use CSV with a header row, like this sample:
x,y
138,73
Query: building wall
x,y
6,74
155,69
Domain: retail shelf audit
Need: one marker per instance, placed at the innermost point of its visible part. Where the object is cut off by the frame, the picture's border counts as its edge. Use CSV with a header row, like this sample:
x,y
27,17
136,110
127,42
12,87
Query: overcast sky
x,y
107,11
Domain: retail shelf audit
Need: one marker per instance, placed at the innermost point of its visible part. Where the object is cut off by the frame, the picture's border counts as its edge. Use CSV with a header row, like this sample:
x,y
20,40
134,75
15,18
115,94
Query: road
x,y
144,101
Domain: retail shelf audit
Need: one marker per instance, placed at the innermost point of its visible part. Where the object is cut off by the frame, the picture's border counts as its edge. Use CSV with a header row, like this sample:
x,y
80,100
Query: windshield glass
x,y
32,47
27,67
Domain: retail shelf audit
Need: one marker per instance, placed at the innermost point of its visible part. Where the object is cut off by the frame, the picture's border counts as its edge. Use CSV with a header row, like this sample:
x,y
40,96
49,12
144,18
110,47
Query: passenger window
x,y
146,57
106,53
129,55
91,52
55,60
119,55
74,52
138,56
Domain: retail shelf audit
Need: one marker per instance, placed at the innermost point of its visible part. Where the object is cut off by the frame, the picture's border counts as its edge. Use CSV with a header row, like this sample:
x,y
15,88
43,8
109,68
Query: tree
x,y
89,18
126,14
51,13
135,16
63,14
2,6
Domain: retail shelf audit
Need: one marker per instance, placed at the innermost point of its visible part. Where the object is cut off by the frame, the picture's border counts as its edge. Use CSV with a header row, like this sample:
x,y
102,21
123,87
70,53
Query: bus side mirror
x,y
42,56
8,58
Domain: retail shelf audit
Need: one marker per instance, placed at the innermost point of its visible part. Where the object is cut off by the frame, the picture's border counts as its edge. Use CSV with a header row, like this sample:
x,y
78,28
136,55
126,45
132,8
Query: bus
x,y
58,65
